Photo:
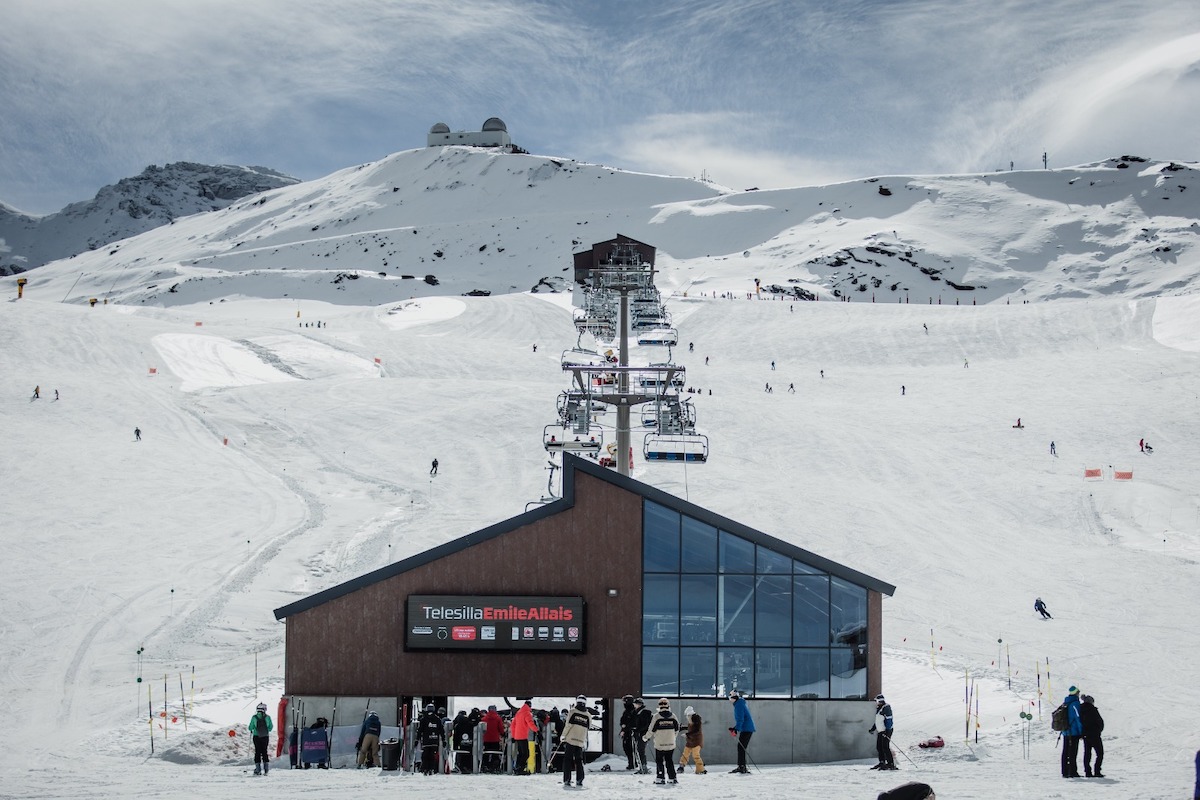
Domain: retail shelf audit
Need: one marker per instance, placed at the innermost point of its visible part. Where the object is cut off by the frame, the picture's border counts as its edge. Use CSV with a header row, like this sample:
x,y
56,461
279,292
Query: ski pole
x,y
901,752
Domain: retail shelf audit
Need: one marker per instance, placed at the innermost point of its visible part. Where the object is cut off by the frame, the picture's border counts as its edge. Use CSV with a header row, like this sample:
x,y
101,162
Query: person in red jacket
x,y
524,730
493,733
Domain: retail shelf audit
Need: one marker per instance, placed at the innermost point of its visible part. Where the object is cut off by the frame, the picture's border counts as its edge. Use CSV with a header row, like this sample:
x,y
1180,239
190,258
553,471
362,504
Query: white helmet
x,y
262,706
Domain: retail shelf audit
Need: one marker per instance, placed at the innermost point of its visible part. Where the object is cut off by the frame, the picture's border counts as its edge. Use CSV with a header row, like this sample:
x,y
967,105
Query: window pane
x,y
735,669
773,611
848,613
660,538
771,563
810,673
849,673
800,568
660,671
772,672
698,609
736,609
810,610
697,671
699,546
737,554
660,609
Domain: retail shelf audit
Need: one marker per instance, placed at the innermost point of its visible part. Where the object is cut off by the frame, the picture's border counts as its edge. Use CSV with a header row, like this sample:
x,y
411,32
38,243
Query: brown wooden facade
x,y
349,640
587,260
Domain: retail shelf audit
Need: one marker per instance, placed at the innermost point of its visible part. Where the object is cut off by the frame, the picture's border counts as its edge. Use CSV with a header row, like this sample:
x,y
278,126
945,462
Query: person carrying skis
x,y
574,738
367,746
883,734
743,729
431,735
1040,607
663,731
694,741
628,723
1093,727
260,733
1072,735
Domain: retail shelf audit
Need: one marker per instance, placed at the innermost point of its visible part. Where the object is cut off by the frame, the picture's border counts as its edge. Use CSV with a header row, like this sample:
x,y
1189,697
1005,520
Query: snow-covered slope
x,y
455,220
158,196
181,543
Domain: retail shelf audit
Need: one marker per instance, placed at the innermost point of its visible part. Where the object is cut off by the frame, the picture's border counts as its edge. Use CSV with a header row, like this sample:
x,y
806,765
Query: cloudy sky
x,y
765,93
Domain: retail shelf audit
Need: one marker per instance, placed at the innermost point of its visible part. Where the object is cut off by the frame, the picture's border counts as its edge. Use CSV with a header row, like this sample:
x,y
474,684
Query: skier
x,y
433,469
694,741
965,364
706,361
493,732
431,734
574,739
1141,442
56,394
1052,450
691,347
772,366
822,373
37,392
641,723
1018,425
463,732
367,746
883,734
792,388
628,723
1093,727
535,348
664,730
523,730
260,731
743,729
902,390
1071,736
1040,607
926,327
137,434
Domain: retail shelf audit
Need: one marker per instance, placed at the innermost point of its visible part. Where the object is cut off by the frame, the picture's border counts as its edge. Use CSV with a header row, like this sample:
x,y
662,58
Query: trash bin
x,y
389,754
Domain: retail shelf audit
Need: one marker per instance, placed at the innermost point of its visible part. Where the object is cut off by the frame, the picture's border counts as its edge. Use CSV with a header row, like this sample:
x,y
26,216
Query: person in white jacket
x,y
664,730
574,738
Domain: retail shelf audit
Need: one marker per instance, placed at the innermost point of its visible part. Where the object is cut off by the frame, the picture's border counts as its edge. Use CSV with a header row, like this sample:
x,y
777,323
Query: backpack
x,y
1060,718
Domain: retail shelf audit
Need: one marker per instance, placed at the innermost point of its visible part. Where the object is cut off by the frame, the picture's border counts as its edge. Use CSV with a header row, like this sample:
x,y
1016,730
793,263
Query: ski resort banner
x,y
489,622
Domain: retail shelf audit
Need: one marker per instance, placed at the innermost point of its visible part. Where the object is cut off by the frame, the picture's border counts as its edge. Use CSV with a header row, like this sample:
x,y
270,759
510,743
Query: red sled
x,y
934,742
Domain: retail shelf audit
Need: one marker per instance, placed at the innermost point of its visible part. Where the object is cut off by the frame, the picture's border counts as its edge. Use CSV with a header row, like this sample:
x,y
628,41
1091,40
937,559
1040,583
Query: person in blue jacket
x,y
743,728
1072,735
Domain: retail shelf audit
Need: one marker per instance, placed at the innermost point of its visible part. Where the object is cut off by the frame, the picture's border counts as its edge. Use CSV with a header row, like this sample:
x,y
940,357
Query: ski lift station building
x,y
616,588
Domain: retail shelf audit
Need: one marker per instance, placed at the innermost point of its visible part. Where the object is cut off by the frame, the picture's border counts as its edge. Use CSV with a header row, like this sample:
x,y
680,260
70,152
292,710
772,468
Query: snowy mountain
x,y
158,196
278,459
455,220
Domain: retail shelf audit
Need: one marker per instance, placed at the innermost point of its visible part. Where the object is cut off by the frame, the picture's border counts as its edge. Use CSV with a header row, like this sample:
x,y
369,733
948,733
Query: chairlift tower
x,y
623,272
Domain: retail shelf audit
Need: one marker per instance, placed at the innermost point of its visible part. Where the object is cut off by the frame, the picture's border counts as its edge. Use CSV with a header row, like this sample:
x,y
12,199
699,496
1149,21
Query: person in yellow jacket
x,y
260,731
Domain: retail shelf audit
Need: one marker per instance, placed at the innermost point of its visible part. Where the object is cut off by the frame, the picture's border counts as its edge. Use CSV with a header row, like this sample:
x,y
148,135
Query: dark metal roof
x,y
571,465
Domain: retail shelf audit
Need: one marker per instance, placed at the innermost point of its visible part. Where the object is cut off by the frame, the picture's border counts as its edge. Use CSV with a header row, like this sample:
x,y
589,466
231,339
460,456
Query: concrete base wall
x,y
787,731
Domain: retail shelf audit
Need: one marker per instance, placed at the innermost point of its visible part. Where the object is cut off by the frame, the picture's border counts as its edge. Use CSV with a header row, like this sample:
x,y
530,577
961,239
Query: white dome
x,y
495,124
440,127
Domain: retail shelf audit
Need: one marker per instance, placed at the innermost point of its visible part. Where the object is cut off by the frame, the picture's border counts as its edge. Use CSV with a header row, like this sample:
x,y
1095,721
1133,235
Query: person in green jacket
x,y
260,729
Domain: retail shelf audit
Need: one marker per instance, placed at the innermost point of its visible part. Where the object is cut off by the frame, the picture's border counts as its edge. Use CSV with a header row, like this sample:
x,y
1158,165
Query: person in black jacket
x,y
463,734
641,724
431,734
1093,726
628,717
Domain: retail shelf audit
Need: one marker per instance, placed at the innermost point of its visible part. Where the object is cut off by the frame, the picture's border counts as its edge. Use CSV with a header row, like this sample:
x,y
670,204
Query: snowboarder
x,y
137,434
367,746
1040,607
743,729
1072,735
693,742
902,390
260,731
664,730
883,734
1053,452
1093,727
573,739
433,469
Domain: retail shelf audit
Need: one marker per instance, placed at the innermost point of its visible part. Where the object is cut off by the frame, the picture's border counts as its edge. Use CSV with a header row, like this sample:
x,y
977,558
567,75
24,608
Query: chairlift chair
x,y
675,447
557,437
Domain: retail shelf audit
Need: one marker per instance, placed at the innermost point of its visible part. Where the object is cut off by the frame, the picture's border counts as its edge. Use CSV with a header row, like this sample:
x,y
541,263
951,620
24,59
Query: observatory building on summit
x,y
493,134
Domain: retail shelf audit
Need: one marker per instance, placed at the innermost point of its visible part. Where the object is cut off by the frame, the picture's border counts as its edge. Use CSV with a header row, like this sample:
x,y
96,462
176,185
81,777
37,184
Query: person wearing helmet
x,y
260,732
641,724
431,734
368,741
664,730
743,728
628,721
883,734
574,740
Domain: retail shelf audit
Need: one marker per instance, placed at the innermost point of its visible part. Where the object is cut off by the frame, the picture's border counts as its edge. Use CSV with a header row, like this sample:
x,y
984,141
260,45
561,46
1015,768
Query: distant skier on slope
x,y
433,468
1040,607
